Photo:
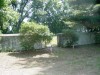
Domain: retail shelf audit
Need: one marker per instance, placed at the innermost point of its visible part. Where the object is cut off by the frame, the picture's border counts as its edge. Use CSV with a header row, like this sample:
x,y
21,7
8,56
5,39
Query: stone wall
x,y
84,38
12,42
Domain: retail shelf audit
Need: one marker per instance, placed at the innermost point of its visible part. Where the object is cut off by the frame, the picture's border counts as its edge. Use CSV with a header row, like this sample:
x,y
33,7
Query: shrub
x,y
0,34
32,33
97,38
70,38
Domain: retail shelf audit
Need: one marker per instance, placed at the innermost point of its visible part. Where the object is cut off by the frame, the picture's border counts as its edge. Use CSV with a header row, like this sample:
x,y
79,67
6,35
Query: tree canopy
x,y
8,16
53,13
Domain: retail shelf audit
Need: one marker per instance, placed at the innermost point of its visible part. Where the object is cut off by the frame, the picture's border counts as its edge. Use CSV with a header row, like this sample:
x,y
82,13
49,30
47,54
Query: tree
x,y
49,12
55,13
3,3
8,17
85,13
24,11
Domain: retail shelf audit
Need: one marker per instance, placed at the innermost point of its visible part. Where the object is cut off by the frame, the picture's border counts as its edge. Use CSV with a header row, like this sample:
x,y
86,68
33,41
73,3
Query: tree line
x,y
56,14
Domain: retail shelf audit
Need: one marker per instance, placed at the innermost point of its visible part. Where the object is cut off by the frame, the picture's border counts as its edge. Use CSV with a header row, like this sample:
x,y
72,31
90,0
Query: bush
x,y
0,34
70,38
32,33
97,38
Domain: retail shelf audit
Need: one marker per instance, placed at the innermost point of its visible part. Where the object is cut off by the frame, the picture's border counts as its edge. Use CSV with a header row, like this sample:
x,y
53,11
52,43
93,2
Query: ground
x,y
83,60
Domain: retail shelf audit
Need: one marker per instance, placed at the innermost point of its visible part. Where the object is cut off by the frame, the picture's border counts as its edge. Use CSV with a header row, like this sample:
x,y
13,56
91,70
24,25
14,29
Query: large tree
x,y
3,4
23,7
49,12
85,13
8,16
55,13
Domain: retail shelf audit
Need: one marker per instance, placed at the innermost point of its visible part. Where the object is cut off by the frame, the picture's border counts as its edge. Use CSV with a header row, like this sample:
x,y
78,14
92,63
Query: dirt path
x,y
80,61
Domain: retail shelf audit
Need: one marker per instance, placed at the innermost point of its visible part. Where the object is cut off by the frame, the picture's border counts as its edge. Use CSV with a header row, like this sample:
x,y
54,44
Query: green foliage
x,y
57,26
2,3
8,17
97,38
0,32
70,38
96,9
51,12
32,33
0,37
13,2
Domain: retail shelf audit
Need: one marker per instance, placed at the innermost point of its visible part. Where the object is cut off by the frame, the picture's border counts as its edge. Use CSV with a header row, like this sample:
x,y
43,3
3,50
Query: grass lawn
x,y
84,60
